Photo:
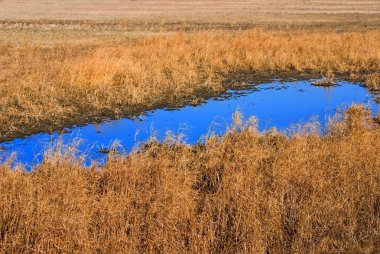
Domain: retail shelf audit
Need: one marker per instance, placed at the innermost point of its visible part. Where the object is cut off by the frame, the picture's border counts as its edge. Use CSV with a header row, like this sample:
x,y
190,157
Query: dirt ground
x,y
274,10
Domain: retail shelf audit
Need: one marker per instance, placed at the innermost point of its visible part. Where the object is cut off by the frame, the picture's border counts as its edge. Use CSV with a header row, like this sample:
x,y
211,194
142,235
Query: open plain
x,y
191,9
65,63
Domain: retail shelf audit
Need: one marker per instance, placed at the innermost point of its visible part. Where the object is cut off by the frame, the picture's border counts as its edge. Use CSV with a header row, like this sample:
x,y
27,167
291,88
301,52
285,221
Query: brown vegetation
x,y
242,193
48,86
286,11
373,82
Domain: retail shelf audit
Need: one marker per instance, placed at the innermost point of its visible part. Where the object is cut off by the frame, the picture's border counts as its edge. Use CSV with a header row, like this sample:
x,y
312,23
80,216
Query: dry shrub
x,y
244,192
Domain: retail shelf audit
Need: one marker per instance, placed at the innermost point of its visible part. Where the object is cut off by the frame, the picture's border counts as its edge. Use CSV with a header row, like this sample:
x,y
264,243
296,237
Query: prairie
x,y
285,11
244,192
65,63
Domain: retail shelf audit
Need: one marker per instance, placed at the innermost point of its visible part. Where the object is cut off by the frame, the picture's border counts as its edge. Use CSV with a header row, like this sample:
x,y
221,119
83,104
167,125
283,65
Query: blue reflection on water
x,y
275,105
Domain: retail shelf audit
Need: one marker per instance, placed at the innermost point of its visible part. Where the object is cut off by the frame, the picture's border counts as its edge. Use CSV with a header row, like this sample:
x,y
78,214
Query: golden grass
x,y
48,86
242,193
373,82
286,11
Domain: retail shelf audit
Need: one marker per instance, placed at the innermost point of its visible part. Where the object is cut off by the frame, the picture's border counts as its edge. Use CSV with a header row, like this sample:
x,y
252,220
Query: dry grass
x,y
46,87
243,193
373,82
285,10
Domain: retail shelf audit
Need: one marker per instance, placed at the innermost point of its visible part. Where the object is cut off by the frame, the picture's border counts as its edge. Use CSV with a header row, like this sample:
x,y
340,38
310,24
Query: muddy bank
x,y
87,115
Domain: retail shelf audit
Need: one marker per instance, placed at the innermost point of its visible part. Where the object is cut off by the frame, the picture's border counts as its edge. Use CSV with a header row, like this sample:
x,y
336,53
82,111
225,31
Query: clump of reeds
x,y
244,192
327,81
373,82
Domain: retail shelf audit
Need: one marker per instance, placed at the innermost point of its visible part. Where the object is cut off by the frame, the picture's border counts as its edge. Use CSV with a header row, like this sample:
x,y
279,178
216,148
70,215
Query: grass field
x,y
243,193
63,63
72,62
191,9
50,86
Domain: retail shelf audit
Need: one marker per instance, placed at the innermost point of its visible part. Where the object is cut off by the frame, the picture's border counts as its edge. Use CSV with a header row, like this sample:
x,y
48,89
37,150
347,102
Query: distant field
x,y
173,9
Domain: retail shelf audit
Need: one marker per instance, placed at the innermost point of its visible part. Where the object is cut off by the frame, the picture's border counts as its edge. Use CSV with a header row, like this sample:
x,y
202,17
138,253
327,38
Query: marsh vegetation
x,y
280,105
48,87
247,191
244,192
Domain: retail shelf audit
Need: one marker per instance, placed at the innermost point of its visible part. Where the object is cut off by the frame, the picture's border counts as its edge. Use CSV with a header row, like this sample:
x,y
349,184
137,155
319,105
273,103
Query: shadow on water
x,y
274,104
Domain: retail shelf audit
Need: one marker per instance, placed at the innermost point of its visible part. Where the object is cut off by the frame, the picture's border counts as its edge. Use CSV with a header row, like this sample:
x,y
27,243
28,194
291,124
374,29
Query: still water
x,y
276,104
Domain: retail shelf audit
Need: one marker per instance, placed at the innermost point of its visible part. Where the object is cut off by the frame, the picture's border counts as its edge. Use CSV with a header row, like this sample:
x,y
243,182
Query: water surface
x,y
274,104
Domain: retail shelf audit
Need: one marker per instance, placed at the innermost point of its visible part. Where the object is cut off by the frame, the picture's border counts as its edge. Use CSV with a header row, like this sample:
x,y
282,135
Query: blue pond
x,y
276,104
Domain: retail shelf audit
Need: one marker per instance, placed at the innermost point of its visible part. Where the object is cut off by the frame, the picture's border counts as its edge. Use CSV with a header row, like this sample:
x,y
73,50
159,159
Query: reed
x,y
244,192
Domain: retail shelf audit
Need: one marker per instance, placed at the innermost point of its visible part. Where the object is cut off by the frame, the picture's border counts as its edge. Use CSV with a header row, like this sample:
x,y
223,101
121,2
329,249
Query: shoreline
x,y
241,83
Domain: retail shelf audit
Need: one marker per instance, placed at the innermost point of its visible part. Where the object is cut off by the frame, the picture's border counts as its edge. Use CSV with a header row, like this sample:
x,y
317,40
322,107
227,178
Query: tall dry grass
x,y
47,86
242,193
